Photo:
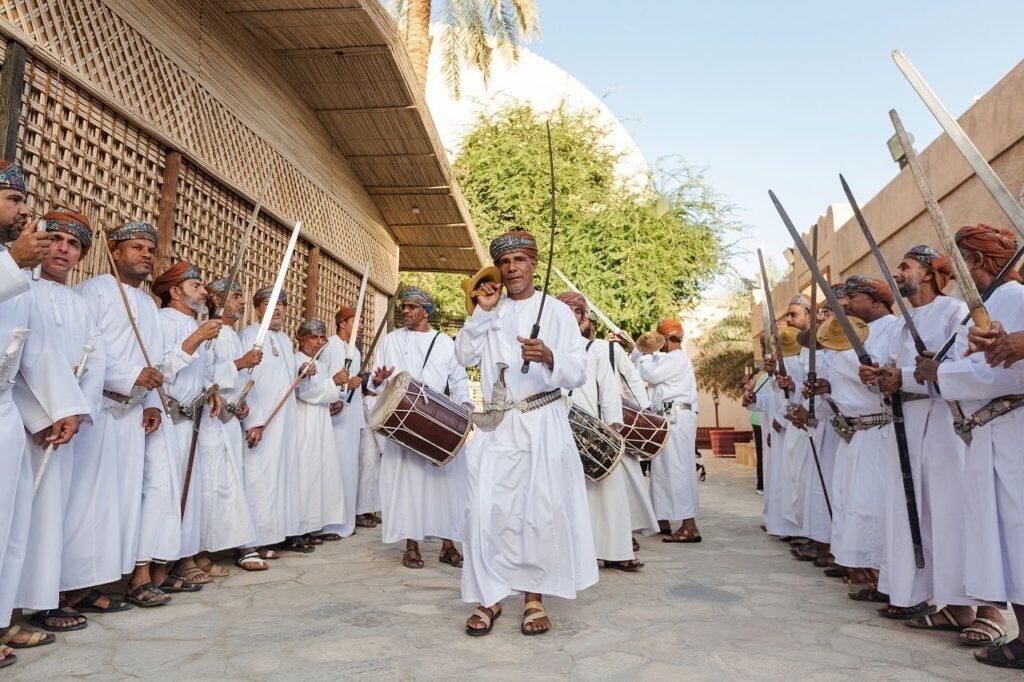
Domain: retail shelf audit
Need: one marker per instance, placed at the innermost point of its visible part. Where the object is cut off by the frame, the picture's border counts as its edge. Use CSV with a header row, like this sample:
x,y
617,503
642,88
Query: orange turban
x,y
875,288
995,246
343,314
671,328
172,277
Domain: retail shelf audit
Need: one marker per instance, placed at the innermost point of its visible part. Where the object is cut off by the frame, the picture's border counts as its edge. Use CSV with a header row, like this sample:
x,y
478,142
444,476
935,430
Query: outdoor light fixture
x,y
896,149
415,210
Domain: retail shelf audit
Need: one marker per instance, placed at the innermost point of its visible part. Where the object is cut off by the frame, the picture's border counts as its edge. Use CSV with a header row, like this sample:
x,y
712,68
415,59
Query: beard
x,y
197,305
909,289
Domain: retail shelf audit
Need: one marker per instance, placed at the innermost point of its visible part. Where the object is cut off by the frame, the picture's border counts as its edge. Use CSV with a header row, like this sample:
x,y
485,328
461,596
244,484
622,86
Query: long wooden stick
x,y
295,384
135,326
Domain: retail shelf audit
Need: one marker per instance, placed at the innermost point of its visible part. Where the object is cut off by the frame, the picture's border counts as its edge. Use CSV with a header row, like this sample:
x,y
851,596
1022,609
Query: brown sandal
x,y
451,556
412,558
529,618
487,616
34,638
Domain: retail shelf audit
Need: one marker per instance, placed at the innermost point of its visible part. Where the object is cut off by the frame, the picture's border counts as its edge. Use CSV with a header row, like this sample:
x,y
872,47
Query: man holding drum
x,y
600,397
420,499
528,527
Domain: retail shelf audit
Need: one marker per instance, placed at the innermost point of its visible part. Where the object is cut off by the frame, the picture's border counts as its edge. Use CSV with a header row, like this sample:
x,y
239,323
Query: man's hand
x,y
209,330
151,419
534,350
336,408
869,375
216,405
749,398
798,416
342,377
1006,350
820,387
250,359
777,426
150,378
253,436
624,339
487,295
768,364
785,382
978,340
355,382
381,374
30,248
308,369
243,412
890,380
926,370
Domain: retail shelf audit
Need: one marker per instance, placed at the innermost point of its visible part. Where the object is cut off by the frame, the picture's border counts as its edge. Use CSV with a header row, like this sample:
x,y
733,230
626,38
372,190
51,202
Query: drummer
x,y
600,397
420,500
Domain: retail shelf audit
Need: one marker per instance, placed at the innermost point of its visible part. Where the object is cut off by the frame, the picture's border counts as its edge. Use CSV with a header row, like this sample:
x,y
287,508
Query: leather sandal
x,y
529,619
34,639
488,616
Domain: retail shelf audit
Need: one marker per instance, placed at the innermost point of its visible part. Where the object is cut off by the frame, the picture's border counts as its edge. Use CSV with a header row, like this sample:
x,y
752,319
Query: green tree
x,y
473,30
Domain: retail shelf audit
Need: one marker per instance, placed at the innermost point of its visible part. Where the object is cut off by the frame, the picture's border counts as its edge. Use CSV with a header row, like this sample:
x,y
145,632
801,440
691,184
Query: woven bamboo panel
x,y
339,287
100,46
75,152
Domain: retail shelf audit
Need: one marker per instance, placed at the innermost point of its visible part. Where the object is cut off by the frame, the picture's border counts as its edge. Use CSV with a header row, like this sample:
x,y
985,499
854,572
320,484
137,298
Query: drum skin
x,y
645,432
421,419
600,446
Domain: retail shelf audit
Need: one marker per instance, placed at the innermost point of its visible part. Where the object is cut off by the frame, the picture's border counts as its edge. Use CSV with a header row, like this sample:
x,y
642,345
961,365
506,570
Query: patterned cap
x,y
221,285
11,177
133,229
312,327
263,295
875,288
801,301
173,276
69,222
839,290
517,240
923,254
420,298
577,302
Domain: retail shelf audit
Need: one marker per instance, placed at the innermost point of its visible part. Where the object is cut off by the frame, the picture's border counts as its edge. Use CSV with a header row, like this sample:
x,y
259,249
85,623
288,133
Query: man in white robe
x,y
421,500
271,452
347,417
600,397
643,520
227,521
858,527
989,387
24,357
674,473
368,494
194,410
936,455
320,490
74,515
528,526
133,409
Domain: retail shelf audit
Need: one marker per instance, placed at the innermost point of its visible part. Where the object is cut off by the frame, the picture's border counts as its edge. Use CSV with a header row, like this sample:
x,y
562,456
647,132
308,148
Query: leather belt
x,y
910,397
673,406
846,426
993,410
118,397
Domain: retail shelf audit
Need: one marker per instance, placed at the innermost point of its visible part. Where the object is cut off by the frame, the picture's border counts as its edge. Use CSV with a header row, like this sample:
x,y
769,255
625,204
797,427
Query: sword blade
x,y
770,306
359,316
1007,202
593,306
844,322
870,238
237,264
275,293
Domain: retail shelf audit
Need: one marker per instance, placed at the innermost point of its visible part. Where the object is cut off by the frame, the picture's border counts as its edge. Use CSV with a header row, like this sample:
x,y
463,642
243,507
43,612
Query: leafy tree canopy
x,y
638,254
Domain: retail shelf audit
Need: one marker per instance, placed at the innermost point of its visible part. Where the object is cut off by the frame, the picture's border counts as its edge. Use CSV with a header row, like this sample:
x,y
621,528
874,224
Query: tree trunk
x,y
417,39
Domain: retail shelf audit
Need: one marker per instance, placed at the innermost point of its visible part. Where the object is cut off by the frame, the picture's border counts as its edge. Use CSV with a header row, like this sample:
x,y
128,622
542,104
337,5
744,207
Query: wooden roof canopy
x,y
347,62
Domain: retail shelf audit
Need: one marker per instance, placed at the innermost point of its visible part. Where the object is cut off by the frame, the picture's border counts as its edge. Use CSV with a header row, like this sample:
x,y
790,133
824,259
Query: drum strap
x,y
430,349
596,382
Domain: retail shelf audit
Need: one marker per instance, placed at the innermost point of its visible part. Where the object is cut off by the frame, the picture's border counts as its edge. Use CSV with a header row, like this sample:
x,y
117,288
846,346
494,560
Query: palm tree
x,y
473,30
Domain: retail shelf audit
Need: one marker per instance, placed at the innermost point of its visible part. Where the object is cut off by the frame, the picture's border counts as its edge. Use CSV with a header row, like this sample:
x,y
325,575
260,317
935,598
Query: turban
x,y
344,313
801,301
221,285
133,229
936,263
11,177
995,246
420,298
875,288
174,276
517,240
314,327
263,295
671,328
575,301
69,222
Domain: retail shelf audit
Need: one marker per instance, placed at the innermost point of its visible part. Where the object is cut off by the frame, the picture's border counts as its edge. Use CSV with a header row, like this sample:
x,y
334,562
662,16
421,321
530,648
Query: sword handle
x,y
981,318
533,334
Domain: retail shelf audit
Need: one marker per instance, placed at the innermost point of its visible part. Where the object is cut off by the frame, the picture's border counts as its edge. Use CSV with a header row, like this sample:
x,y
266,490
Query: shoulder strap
x,y
611,354
430,350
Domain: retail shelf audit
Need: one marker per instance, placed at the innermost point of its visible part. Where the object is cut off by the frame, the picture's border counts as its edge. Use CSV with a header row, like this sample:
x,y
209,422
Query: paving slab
x,y
734,607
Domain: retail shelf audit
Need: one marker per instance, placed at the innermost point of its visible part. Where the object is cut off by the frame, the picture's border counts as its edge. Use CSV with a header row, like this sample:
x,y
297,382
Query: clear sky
x,y
780,95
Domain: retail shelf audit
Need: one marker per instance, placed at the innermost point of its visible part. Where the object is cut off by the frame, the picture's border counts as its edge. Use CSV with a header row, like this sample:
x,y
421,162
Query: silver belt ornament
x,y
992,410
494,410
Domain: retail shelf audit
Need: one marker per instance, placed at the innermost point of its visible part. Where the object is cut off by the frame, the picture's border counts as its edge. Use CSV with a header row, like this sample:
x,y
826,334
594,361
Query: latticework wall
x,y
78,153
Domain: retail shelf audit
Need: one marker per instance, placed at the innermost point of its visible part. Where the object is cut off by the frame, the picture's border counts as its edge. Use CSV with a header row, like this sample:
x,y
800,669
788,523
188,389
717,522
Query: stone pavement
x,y
735,607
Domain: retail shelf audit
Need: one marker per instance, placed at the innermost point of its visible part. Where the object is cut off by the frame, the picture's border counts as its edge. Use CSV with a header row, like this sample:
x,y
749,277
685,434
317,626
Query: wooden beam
x,y
369,110
166,209
418,190
12,88
361,51
312,283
